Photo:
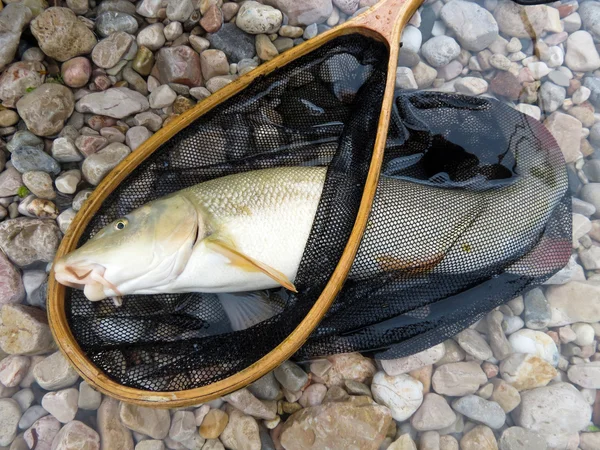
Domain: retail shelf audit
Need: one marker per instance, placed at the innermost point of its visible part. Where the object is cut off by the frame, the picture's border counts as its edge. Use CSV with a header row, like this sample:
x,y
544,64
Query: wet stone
x,y
476,408
30,415
402,394
474,344
43,431
413,362
46,108
24,331
110,22
213,424
537,311
30,159
457,379
179,64
183,426
115,102
291,376
89,399
232,41
152,37
110,50
479,438
16,80
13,369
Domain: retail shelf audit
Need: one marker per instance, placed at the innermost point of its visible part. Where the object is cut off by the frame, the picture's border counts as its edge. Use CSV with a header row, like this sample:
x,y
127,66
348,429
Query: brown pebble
x,y
212,20
213,424
506,85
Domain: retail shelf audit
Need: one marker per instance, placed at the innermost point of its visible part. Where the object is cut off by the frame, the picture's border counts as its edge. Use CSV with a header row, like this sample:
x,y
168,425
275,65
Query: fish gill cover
x,y
471,209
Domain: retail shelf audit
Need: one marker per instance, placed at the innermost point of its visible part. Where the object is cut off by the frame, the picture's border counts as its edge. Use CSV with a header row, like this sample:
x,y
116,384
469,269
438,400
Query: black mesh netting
x,y
471,209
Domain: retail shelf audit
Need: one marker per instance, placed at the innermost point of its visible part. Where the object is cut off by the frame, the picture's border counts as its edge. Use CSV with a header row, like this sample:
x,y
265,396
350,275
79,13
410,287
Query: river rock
x,y
241,433
112,432
575,301
150,421
551,96
152,37
110,50
480,410
479,438
18,78
582,55
13,369
214,424
180,65
555,409
46,108
586,375
114,102
11,285
110,22
55,372
40,184
336,425
567,132
474,27
255,18
291,376
459,378
508,16
536,343
402,394
517,438
136,136
413,362
89,398
26,241
61,404
474,344
10,182
590,16
61,35
42,433
24,330
348,366
440,50
10,413
304,12
31,415
433,414
526,371
537,311
244,401
13,19
76,436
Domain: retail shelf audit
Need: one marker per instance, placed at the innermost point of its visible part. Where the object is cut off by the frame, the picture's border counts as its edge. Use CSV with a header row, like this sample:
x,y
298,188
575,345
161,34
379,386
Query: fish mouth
x,y
89,277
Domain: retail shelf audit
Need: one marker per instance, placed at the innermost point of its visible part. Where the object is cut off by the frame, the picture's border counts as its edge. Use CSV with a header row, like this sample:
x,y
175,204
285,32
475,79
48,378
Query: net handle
x,y
384,22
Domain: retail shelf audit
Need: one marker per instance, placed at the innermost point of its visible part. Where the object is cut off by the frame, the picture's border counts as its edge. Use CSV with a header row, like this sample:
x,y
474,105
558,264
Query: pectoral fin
x,y
245,262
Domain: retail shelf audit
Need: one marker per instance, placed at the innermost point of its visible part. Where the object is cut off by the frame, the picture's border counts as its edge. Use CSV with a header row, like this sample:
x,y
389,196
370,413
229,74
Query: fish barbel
x,y
247,232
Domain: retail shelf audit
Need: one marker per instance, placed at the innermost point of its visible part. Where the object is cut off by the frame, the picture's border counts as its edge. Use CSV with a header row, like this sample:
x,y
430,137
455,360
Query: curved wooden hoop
x,y
385,22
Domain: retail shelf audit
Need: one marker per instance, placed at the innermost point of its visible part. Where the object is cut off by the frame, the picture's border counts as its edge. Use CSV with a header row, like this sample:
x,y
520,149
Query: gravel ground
x,y
83,83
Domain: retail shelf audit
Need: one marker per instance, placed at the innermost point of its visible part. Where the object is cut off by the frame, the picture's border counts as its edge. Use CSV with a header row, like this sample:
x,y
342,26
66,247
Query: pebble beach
x,y
83,83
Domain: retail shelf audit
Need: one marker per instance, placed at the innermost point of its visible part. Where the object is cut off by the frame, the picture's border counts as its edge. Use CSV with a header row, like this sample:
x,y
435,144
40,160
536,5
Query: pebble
x,y
479,438
112,432
110,22
31,415
244,401
179,64
505,395
149,421
590,15
589,441
42,432
348,366
413,362
213,424
76,72
424,75
440,50
526,371
585,334
173,31
26,241
459,378
575,301
304,13
433,414
10,413
255,18
342,425
64,150
151,444
508,16
46,108
586,375
61,35
11,285
24,398
13,19
40,184
535,342
97,166
114,102
315,393
179,10
471,85
551,96
582,55
29,159
265,49
76,435
109,51
241,432
232,41
291,376
15,81
480,410
517,438
482,29
402,394
162,97
183,426
474,344
61,404
266,388
152,37
136,136
67,182
89,399
54,372
13,369
567,132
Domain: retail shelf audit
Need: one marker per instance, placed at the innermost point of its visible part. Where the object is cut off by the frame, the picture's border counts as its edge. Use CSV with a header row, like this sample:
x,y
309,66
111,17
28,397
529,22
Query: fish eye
x,y
121,223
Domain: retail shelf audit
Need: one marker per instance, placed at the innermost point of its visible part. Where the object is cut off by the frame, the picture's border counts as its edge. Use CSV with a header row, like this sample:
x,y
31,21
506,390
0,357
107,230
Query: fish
x,y
240,235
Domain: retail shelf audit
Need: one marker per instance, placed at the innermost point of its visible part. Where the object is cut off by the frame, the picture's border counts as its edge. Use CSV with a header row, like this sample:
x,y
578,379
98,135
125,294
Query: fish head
x,y
141,251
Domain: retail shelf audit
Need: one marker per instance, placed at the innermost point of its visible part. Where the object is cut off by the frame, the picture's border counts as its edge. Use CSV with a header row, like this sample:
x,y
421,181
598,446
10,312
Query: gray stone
x,y
115,102
590,15
232,41
11,286
459,378
64,150
255,18
97,166
61,404
40,184
24,139
477,409
18,78
440,50
244,401
149,8
474,344
593,84
591,194
10,182
30,159
183,426
413,362
291,376
111,22
26,241
266,388
305,12
508,16
433,414
42,433
499,344
162,97
152,36
179,10
110,50
551,96
24,398
10,413
89,398
582,55
517,438
148,119
474,27
149,421
586,375
13,369
112,432
13,19
537,311
136,136
30,416
46,108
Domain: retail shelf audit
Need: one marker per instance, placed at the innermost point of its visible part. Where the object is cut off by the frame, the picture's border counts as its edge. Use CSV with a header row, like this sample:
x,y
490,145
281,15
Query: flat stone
x,y
232,41
89,399
413,362
402,394
479,438
10,413
24,330
586,375
506,85
13,19
179,10
517,438
537,311
98,165
18,78
526,371
110,22
46,108
582,55
55,372
115,102
433,414
61,404
480,410
474,27
340,425
499,344
474,344
567,132
291,376
61,35
458,379
13,369
575,301
555,409
314,394
24,397
249,404
109,51
152,422
151,444
348,366
76,436
112,432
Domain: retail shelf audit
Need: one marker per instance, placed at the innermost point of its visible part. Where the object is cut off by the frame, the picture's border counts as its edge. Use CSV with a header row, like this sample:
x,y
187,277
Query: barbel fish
x,y
247,232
